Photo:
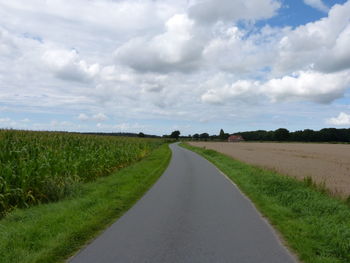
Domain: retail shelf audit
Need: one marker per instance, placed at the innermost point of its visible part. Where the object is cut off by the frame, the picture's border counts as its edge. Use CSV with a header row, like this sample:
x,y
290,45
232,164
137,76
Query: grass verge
x,y
315,225
52,232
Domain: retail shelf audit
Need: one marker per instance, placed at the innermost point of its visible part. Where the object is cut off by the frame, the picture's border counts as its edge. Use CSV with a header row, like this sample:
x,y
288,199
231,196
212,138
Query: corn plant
x,y
38,167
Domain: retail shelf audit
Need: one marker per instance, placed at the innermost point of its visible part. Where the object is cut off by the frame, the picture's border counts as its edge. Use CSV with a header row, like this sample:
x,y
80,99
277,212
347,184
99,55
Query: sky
x,y
155,66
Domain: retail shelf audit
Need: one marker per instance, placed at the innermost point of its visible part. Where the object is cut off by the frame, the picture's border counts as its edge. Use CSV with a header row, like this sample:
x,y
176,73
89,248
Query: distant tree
x,y
214,137
281,134
222,135
329,135
175,135
141,134
309,135
204,136
195,136
343,135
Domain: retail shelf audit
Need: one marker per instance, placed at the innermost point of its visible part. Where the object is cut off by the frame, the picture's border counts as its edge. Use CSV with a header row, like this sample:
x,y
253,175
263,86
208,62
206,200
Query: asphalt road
x,y
192,214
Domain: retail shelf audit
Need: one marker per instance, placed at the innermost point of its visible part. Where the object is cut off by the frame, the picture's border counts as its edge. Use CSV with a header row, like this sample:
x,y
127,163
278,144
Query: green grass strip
x,y
315,225
53,232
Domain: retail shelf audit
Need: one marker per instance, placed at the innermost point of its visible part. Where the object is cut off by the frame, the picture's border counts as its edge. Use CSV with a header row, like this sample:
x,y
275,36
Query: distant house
x,y
235,138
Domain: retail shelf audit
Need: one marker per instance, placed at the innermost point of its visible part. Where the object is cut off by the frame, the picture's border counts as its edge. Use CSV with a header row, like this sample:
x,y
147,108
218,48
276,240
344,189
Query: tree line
x,y
281,134
307,135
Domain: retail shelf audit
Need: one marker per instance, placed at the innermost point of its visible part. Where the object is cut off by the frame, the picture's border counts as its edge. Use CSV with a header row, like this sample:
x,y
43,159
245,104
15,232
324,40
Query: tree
x,y
204,136
196,136
281,134
223,136
175,135
141,134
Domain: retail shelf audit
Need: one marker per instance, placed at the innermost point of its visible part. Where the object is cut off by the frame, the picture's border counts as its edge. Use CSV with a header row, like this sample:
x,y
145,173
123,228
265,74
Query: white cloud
x,y
121,127
343,119
7,45
83,117
338,58
299,86
4,108
321,45
239,51
99,117
219,92
318,4
78,22
211,11
180,46
5,120
128,126
67,65
7,123
177,49
308,85
274,52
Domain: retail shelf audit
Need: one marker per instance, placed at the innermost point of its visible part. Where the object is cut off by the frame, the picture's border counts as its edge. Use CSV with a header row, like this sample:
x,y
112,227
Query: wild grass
x,y
37,167
314,224
52,232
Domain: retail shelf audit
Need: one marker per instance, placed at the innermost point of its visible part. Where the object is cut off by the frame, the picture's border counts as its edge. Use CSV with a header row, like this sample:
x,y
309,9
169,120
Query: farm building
x,y
235,138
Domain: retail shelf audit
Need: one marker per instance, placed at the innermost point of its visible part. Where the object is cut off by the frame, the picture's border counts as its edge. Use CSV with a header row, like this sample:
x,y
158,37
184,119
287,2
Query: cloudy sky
x,y
159,65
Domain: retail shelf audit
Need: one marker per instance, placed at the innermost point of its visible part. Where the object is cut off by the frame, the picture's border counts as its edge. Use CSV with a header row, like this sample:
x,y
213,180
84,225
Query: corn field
x,y
37,167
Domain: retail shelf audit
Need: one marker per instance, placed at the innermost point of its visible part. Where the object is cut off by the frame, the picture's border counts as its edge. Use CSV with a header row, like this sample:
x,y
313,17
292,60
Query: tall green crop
x,y
38,167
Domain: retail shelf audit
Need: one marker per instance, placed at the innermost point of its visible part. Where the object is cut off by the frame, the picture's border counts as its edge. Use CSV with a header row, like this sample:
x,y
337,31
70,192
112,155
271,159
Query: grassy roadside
x,y
315,225
53,232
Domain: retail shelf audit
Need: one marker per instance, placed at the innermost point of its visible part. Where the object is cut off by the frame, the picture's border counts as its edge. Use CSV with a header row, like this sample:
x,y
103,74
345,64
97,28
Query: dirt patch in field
x,y
325,163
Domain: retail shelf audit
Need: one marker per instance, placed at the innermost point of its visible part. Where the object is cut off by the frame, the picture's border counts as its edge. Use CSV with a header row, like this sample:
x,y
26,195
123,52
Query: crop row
x,y
38,167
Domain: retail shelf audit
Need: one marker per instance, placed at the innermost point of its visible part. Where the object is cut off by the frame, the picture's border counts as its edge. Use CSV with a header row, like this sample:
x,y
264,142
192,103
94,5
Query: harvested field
x,y
325,163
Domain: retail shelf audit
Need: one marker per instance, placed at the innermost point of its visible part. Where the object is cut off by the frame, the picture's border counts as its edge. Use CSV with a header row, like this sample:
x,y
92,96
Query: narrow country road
x,y
192,214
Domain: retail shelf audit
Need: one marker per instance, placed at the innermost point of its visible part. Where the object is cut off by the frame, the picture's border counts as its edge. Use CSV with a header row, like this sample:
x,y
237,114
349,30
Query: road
x,y
192,214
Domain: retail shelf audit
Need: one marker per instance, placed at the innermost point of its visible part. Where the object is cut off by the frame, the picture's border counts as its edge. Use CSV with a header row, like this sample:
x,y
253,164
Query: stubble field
x,y
324,163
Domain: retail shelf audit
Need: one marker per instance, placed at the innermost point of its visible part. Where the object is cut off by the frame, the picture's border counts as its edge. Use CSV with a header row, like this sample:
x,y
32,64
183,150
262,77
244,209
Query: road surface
x,y
192,214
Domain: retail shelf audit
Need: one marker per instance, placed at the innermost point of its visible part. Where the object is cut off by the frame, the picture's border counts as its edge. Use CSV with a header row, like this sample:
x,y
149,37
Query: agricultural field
x,y
38,167
327,164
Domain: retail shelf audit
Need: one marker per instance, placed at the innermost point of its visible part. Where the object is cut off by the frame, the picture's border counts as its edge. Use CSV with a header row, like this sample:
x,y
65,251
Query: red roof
x,y
235,138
